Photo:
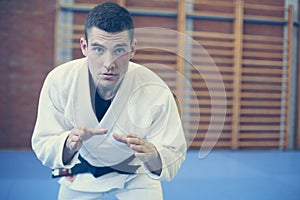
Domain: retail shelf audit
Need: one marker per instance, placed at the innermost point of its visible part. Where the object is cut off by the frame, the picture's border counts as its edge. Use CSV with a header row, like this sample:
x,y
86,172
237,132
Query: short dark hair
x,y
109,17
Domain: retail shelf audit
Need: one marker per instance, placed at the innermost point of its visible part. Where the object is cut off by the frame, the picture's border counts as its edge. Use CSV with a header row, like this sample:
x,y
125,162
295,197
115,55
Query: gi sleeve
x,y
169,140
51,128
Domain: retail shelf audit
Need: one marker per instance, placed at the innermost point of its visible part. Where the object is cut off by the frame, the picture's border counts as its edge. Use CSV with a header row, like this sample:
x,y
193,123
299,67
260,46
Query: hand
x,y
145,151
79,135
76,138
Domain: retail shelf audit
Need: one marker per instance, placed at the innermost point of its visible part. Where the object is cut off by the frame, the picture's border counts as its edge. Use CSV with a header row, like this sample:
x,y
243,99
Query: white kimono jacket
x,y
143,106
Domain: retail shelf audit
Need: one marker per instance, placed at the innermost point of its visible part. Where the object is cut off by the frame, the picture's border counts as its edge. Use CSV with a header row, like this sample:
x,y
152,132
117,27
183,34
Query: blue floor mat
x,y
222,175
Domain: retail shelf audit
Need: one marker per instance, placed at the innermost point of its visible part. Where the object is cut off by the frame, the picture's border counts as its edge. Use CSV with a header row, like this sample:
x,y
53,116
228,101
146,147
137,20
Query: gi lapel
x,y
82,105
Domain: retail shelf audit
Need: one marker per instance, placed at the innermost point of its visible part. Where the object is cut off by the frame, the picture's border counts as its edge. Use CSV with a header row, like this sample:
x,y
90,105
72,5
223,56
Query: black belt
x,y
85,167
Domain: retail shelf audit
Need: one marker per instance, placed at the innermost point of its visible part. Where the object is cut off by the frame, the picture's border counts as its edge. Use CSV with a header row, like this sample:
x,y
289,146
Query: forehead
x,y
96,35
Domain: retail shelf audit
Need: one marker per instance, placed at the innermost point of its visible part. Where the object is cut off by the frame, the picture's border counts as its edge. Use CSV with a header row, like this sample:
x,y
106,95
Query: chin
x,y
108,83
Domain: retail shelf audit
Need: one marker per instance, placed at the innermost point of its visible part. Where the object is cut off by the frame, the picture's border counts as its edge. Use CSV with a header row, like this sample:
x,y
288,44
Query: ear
x,y
83,46
133,48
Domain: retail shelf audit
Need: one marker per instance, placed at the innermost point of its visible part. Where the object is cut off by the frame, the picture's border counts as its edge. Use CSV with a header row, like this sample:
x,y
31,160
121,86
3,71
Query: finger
x,y
88,133
74,138
131,135
74,143
74,146
120,138
138,148
96,131
135,140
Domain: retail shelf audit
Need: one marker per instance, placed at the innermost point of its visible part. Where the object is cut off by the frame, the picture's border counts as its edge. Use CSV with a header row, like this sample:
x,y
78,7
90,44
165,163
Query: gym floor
x,y
222,175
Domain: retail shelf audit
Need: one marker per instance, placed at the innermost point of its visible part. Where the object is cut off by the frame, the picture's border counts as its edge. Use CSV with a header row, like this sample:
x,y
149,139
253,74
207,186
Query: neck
x,y
107,93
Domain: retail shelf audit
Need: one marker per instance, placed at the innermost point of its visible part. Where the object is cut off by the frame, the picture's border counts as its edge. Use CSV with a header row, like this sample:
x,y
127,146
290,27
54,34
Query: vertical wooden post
x,y
289,73
56,27
238,53
180,62
181,29
122,3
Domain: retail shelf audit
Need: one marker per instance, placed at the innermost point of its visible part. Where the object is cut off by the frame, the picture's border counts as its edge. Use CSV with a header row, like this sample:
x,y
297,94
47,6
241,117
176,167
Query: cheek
x,y
95,62
94,68
122,65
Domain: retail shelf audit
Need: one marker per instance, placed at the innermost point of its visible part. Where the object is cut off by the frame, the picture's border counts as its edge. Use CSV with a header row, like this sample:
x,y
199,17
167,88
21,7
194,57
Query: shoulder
x,y
67,69
143,74
147,82
65,74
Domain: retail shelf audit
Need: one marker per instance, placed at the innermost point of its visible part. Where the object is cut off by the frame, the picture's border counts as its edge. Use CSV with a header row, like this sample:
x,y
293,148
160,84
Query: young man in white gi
x,y
113,123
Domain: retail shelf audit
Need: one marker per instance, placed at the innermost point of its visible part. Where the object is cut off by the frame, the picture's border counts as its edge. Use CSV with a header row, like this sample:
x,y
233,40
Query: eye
x,y
120,51
98,50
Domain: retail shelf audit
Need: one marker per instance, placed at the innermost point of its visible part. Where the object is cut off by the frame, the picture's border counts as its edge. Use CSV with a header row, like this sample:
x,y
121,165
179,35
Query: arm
x,y
75,140
162,152
145,151
55,141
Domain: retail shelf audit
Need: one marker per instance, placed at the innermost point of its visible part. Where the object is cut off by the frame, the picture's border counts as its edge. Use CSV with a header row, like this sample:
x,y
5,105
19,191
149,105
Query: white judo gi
x,y
143,105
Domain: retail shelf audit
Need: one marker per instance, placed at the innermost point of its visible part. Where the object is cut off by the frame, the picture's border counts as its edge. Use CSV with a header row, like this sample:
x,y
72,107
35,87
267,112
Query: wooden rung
x,y
262,70
198,144
261,111
259,136
259,143
166,75
156,9
196,60
263,38
155,57
261,103
264,87
261,95
207,110
263,7
262,80
210,35
212,3
214,119
207,13
213,131
248,45
191,118
212,126
158,36
280,19
211,54
210,69
76,5
263,54
204,65
207,102
217,52
209,76
260,128
215,44
201,136
260,119
202,84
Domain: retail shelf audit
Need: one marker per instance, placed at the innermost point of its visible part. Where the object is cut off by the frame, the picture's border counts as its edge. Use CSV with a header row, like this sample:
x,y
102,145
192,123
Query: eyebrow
x,y
99,45
121,45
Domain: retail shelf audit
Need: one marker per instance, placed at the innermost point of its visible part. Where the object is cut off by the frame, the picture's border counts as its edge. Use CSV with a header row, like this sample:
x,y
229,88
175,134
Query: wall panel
x,y
246,42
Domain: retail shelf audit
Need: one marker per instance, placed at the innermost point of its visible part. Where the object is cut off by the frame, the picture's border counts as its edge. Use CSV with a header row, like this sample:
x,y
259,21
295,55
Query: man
x,y
113,125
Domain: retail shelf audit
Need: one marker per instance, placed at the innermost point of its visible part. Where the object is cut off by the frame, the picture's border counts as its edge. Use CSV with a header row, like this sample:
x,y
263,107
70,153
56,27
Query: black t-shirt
x,y
101,106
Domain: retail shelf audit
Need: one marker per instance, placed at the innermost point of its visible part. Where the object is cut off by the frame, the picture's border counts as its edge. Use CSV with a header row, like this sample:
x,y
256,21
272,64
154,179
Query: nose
x,y
109,61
